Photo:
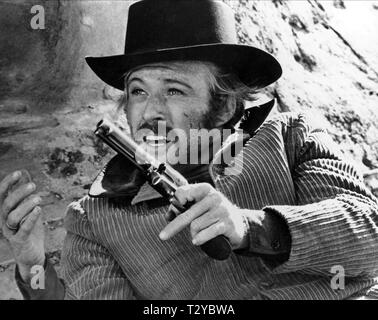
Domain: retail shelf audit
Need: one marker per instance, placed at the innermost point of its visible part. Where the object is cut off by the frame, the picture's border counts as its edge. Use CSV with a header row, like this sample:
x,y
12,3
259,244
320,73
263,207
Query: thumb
x,y
192,192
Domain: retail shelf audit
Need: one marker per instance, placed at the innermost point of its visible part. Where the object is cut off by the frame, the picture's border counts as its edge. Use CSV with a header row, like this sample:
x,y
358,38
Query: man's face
x,y
173,94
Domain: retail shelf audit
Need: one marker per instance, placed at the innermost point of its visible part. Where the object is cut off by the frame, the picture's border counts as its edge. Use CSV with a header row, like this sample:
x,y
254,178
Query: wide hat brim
x,y
253,66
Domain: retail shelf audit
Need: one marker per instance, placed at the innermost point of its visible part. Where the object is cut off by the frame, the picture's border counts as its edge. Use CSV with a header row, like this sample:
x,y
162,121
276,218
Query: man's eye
x,y
174,92
137,92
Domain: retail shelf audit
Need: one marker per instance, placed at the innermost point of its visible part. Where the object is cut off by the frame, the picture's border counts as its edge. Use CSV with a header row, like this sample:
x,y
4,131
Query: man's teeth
x,y
155,140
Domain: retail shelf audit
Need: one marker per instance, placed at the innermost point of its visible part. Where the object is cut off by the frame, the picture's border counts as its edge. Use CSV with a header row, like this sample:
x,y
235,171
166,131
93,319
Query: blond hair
x,y
227,93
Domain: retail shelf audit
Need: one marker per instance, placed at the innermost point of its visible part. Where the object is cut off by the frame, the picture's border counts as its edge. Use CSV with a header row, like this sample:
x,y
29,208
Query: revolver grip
x,y
218,248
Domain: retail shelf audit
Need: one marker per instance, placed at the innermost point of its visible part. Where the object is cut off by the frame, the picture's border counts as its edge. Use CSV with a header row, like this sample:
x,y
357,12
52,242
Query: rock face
x,y
329,61
50,101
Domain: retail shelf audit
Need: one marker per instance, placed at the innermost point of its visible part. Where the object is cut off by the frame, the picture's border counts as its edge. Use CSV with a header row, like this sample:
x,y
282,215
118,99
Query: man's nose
x,y
155,109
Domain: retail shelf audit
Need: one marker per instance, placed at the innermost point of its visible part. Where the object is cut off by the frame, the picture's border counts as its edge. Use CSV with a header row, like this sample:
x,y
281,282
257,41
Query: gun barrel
x,y
108,130
125,145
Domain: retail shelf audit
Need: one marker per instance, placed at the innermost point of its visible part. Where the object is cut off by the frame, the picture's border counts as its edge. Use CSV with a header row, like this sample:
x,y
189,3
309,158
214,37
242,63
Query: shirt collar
x,y
145,193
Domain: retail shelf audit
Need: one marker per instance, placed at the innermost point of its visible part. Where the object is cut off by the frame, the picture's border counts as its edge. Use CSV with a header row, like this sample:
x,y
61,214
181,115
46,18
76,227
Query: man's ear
x,y
225,111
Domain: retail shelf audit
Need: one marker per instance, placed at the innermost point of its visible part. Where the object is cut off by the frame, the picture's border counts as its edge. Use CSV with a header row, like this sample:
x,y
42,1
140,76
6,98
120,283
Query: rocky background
x,y
50,101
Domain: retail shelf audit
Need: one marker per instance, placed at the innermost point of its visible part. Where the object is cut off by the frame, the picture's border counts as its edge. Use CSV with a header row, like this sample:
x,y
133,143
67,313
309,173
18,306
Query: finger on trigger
x,y
182,193
175,203
171,213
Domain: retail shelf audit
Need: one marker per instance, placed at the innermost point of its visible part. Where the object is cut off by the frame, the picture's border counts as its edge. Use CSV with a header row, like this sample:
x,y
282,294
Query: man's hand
x,y
212,214
21,224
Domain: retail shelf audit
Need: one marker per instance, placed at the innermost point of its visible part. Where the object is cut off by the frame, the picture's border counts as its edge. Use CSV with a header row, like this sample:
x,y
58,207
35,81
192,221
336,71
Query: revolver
x,y
161,176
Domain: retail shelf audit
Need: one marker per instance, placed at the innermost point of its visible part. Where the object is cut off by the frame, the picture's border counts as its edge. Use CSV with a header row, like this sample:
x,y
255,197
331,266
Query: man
x,y
293,211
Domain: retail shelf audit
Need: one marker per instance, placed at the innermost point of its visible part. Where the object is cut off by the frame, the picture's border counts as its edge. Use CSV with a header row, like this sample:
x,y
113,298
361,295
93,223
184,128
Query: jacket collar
x,y
145,193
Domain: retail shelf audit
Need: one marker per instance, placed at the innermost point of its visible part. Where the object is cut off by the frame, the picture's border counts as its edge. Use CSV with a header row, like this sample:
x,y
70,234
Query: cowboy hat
x,y
167,30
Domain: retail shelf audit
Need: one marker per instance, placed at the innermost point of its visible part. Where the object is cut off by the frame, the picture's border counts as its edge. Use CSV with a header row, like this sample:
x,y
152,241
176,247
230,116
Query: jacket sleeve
x,y
88,269
335,221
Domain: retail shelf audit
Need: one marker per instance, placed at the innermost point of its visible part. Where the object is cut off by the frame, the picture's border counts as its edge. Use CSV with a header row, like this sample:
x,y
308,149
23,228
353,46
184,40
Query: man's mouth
x,y
156,141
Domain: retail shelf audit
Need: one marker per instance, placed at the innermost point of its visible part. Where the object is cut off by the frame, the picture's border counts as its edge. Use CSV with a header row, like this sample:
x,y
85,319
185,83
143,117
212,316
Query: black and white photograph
x,y
194,153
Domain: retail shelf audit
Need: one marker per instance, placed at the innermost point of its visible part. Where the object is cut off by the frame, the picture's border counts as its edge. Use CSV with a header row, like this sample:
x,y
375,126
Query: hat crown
x,y
163,24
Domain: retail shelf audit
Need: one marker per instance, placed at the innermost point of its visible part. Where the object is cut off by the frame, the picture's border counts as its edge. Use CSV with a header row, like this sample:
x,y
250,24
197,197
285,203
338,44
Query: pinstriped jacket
x,y
114,252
